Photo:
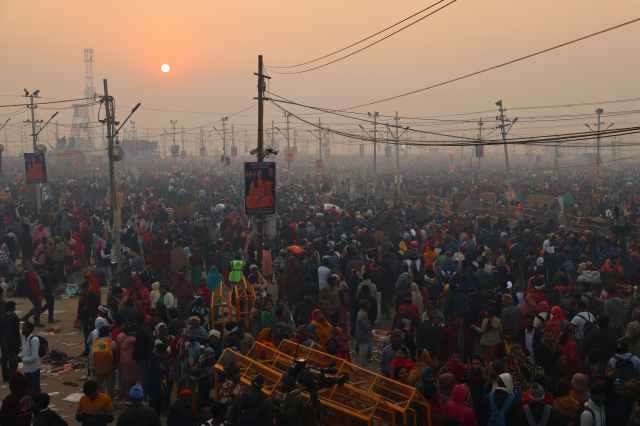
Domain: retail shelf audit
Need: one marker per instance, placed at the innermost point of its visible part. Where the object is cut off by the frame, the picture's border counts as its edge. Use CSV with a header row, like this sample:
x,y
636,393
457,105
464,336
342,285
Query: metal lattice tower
x,y
82,131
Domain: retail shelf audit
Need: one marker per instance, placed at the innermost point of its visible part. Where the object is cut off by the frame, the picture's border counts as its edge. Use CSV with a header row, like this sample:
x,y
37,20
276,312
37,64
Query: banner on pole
x,y
259,188
35,168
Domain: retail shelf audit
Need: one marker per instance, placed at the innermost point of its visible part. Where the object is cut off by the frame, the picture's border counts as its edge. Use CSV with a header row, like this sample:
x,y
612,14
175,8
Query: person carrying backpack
x,y
594,413
103,360
623,368
584,322
501,407
33,349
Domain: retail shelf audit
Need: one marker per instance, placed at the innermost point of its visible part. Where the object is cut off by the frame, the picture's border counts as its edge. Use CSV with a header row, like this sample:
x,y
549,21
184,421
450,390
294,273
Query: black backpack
x,y
43,349
588,325
625,370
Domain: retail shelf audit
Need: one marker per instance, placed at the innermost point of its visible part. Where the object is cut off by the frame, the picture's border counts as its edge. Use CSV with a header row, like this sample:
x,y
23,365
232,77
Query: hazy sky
x,y
212,47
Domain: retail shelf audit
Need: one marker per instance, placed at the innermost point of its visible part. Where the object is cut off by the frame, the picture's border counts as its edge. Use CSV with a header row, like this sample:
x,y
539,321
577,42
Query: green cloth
x,y
237,266
196,276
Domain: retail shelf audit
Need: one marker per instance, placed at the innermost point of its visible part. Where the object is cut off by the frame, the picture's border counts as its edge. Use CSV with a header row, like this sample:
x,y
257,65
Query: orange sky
x,y
212,48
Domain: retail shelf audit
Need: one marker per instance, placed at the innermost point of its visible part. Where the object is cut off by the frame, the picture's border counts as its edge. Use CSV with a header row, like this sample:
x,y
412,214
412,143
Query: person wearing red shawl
x,y
141,296
401,360
554,324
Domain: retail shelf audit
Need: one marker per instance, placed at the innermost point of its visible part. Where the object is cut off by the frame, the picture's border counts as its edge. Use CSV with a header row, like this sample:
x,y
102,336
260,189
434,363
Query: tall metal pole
x,y
504,126
319,140
375,150
34,136
173,133
503,132
397,121
556,160
224,137
183,152
273,133
260,151
261,89
286,114
233,137
480,148
110,121
599,113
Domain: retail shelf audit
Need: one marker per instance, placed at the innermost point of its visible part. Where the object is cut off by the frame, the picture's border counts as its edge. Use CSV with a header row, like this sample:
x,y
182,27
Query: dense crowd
x,y
513,319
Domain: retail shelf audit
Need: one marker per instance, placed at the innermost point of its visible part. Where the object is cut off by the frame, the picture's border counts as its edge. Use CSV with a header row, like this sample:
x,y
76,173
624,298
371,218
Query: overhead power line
x,y
60,101
495,67
362,40
355,52
539,140
340,113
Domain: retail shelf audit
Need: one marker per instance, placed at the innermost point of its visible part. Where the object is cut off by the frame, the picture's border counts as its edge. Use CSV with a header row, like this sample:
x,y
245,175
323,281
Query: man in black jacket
x,y
137,414
10,341
600,344
252,408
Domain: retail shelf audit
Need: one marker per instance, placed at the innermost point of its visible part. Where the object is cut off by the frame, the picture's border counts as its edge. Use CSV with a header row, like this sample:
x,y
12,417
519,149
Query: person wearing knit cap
x,y
137,414
501,406
181,412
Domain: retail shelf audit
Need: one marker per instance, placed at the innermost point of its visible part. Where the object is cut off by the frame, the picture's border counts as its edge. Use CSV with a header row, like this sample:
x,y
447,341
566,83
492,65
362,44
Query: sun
x,y
165,68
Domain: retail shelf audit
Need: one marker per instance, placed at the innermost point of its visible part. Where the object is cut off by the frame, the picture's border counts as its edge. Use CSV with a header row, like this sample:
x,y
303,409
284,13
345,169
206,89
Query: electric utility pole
x,y
173,133
6,141
479,148
183,152
272,136
233,139
504,126
34,134
319,140
598,128
599,124
556,160
224,137
262,86
114,153
375,149
203,150
111,123
286,115
397,186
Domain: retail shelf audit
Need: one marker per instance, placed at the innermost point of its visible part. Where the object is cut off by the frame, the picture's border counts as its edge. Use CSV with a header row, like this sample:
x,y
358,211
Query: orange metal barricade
x,y
232,302
344,403
397,400
249,370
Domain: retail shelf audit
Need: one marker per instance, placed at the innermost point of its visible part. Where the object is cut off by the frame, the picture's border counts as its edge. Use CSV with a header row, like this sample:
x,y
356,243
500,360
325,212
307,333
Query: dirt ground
x,y
57,381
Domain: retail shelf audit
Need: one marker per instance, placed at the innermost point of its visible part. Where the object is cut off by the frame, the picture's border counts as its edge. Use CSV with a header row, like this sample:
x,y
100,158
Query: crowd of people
x,y
513,319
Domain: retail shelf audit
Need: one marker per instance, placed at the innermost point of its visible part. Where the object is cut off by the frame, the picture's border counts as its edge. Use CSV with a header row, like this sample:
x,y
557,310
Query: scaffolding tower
x,y
82,124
